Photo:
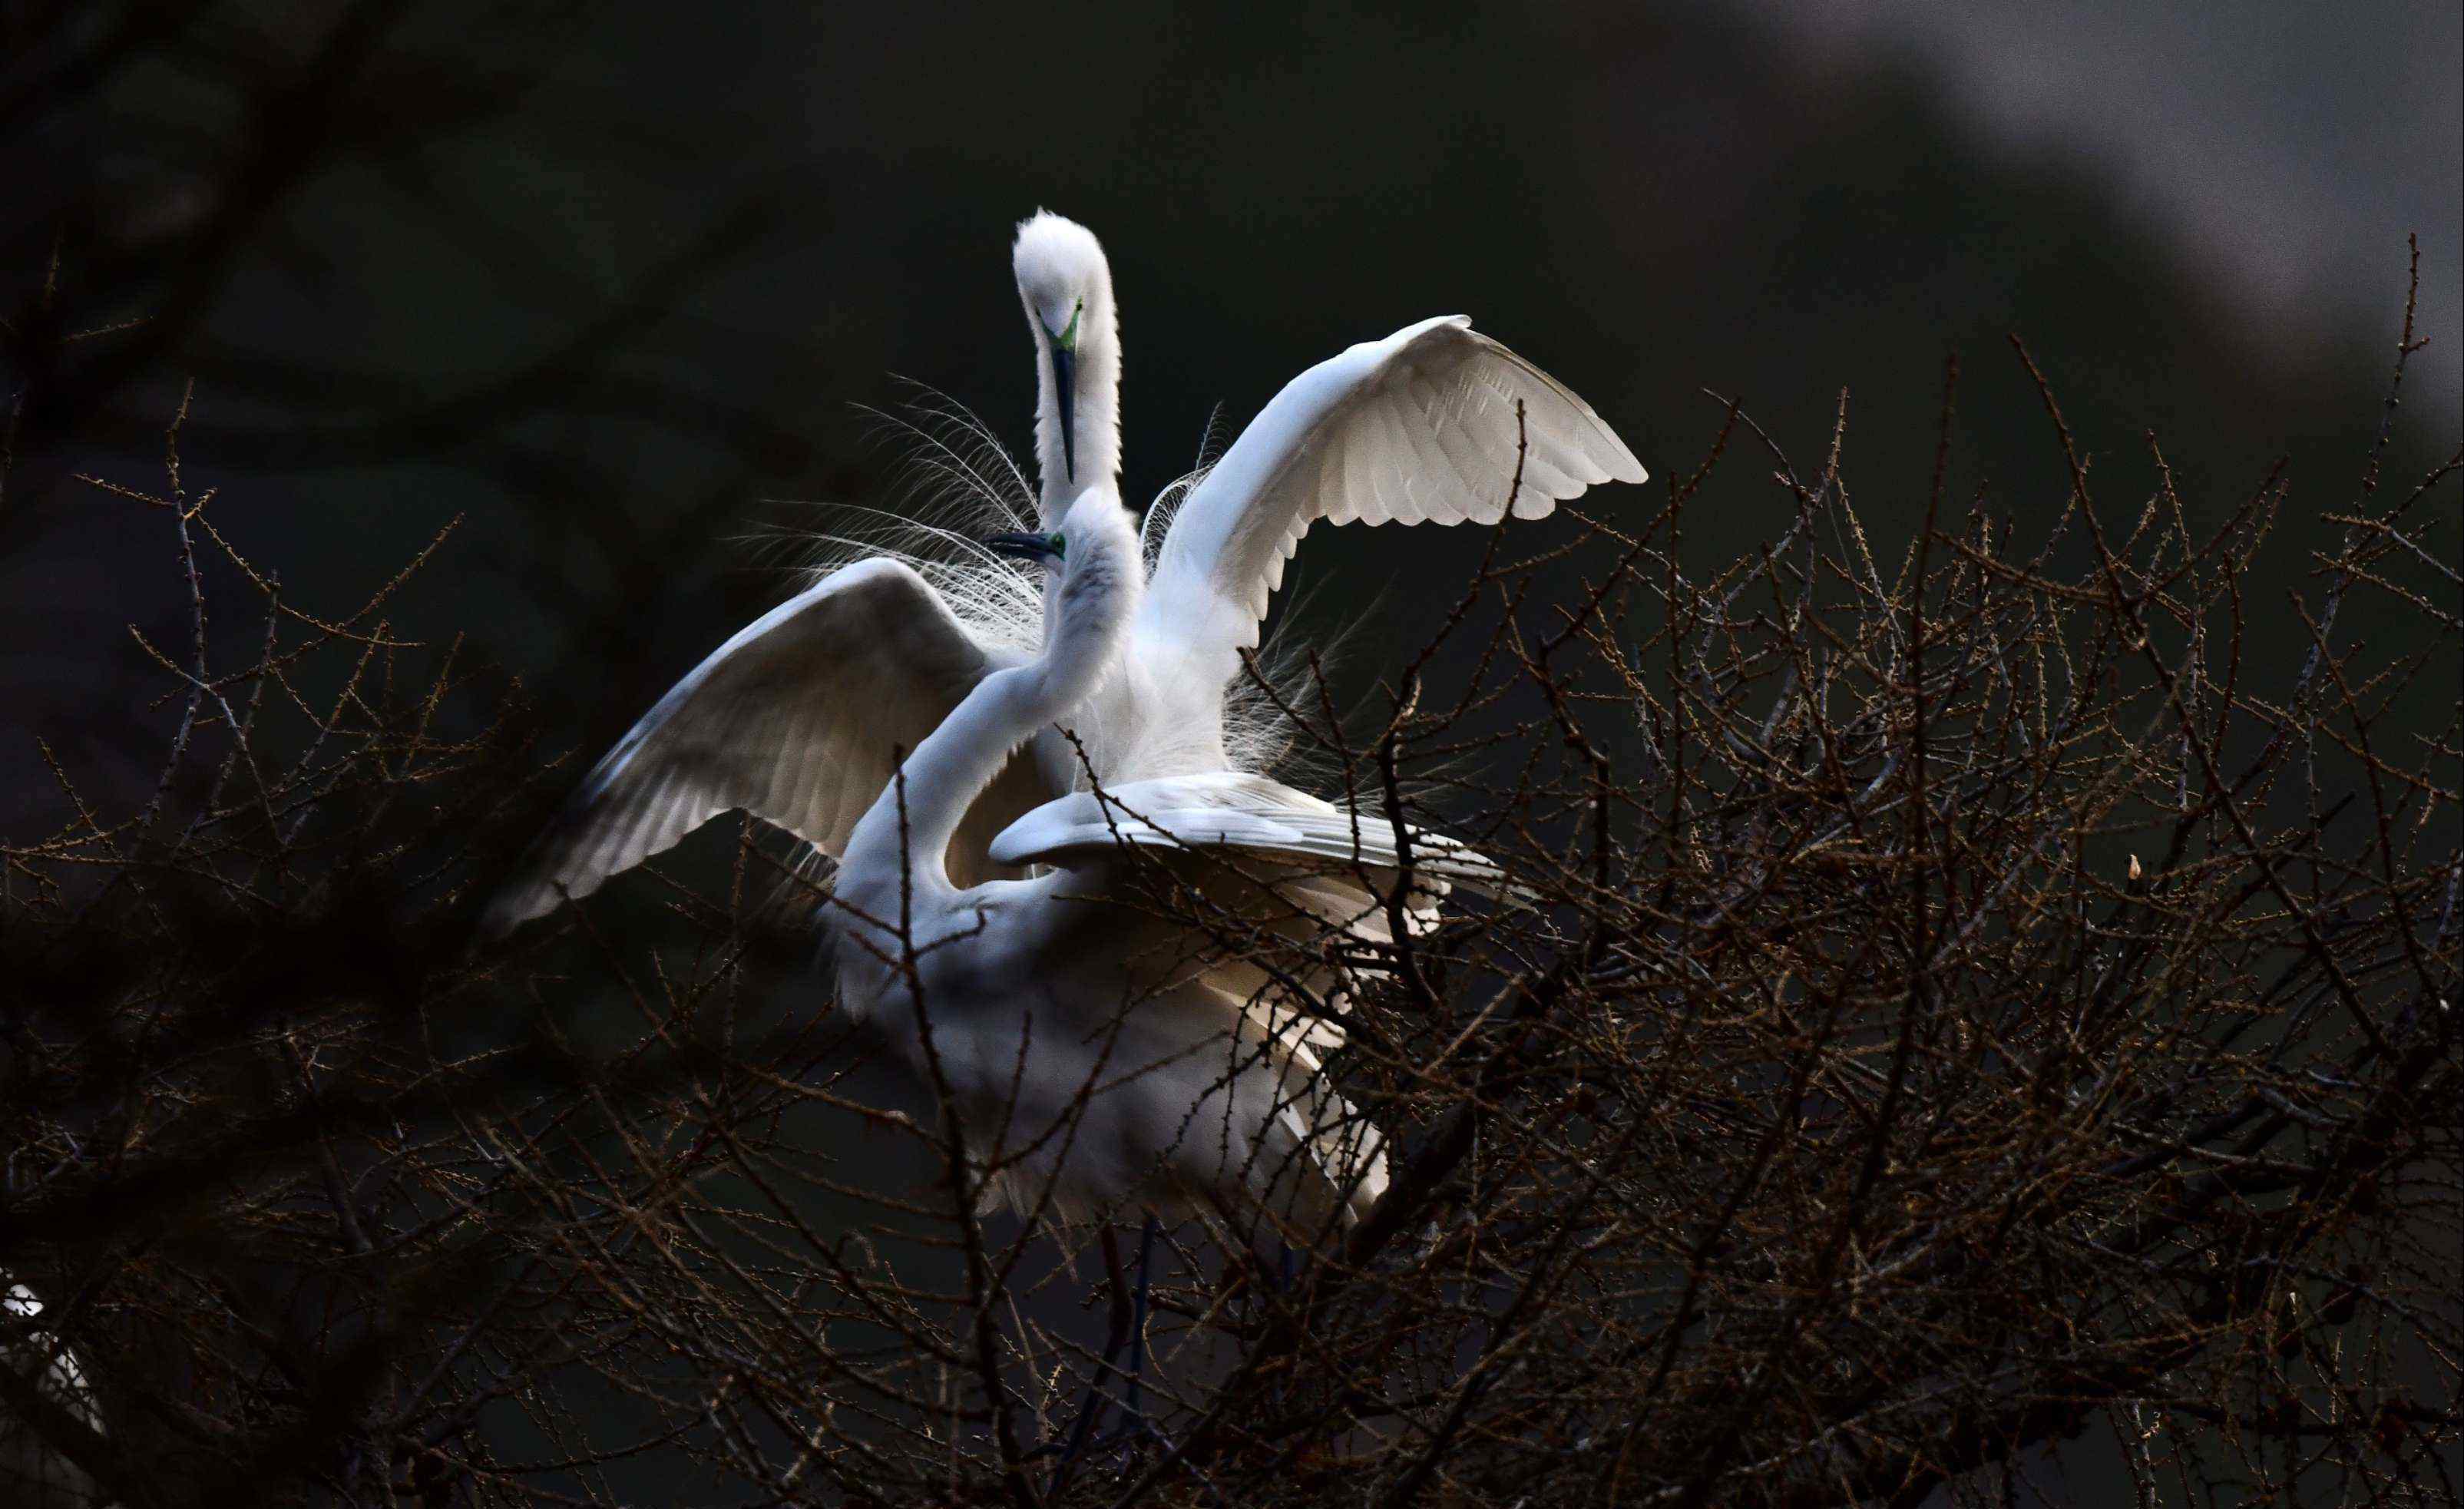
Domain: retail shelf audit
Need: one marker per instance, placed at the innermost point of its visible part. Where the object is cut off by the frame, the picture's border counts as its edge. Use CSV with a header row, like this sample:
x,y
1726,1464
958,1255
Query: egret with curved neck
x,y
1435,424
1089,1049
904,836
1180,1079
797,718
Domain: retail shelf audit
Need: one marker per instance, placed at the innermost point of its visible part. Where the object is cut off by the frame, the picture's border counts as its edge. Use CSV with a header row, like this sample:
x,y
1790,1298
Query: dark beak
x,y
1024,547
1065,374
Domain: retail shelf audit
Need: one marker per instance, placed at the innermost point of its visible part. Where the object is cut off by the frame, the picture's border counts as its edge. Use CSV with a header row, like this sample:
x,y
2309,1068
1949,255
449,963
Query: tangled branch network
x,y
1963,1013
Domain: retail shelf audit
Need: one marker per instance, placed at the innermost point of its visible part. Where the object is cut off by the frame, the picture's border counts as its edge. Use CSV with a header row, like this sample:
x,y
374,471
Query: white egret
x,y
1418,428
795,719
1089,1051
1213,1087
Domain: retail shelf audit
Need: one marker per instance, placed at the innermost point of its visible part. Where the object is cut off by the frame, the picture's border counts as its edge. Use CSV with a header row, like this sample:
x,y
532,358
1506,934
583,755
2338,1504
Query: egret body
x,y
1090,1055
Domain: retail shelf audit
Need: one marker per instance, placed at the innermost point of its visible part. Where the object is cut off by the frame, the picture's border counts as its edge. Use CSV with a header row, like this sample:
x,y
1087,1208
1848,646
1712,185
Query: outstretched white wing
x,y
1417,428
1235,809
797,720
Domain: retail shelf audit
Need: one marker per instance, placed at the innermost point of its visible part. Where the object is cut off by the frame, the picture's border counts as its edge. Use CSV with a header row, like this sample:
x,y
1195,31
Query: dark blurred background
x,y
608,282
608,279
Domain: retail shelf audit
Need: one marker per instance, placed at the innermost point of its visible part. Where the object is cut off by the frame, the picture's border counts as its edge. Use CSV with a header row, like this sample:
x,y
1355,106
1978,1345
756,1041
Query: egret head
x,y
1066,287
1093,532
1094,552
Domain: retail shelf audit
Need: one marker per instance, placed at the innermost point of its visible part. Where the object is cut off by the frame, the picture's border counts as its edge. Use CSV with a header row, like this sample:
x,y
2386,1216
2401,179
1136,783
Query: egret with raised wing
x,y
795,719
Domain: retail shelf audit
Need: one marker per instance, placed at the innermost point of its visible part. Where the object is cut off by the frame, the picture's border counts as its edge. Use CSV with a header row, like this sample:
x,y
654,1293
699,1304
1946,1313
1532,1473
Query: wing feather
x,y
797,720
1323,871
1234,810
1418,427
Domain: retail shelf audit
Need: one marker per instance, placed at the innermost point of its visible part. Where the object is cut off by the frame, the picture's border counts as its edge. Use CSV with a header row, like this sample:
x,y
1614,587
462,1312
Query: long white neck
x,y
907,828
1094,458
